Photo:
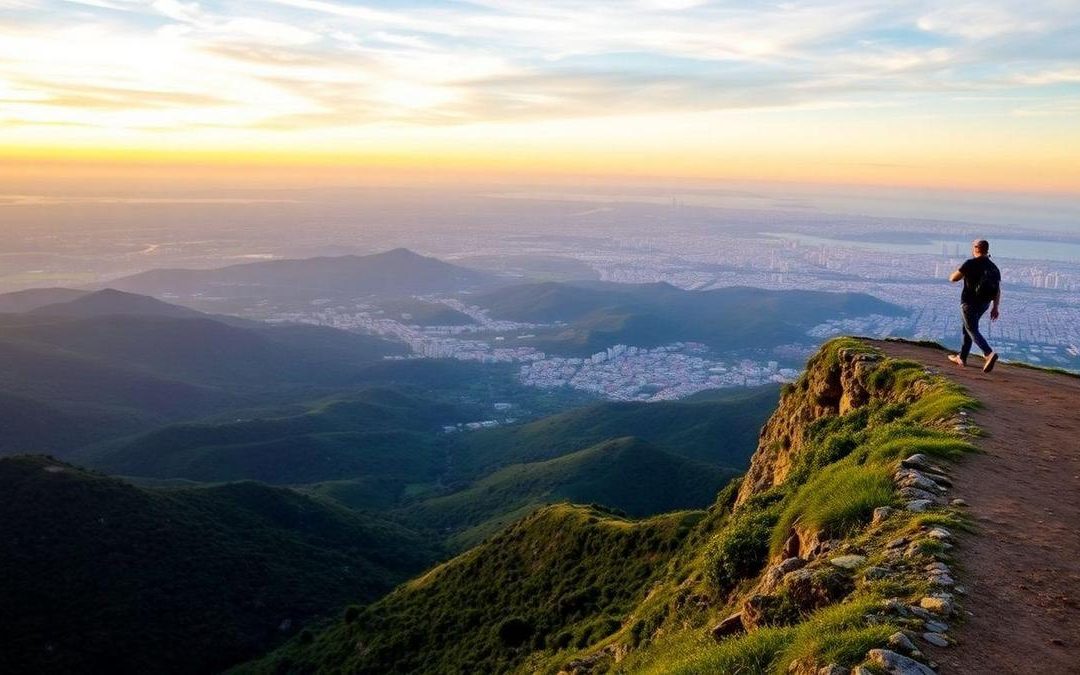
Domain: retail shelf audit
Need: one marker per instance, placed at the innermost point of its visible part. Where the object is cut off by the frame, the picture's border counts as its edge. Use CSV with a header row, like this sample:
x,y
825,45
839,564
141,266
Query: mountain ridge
x,y
398,272
774,577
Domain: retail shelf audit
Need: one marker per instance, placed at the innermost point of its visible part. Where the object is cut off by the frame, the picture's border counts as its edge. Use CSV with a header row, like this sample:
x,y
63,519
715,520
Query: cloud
x,y
1060,76
284,64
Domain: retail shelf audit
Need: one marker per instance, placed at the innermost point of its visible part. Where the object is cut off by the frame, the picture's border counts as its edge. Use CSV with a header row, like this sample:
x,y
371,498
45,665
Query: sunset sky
x,y
948,94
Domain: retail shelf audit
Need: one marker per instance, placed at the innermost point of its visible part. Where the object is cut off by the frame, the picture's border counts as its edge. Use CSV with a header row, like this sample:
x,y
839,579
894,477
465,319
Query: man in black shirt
x,y
982,288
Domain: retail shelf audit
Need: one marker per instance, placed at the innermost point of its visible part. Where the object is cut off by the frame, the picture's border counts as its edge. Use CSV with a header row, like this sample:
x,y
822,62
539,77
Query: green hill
x,y
419,313
100,576
600,314
110,364
198,350
720,431
381,432
54,376
574,590
29,426
625,474
562,577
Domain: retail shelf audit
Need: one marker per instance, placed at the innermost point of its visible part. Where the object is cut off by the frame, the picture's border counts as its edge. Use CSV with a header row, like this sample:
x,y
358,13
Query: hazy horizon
x,y
962,95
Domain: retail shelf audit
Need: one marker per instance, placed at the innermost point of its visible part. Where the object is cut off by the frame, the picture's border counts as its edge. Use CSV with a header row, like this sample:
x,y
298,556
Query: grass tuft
x,y
837,500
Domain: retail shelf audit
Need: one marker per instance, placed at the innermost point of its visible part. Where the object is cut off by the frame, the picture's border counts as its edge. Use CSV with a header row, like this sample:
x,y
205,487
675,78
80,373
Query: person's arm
x,y
960,272
994,313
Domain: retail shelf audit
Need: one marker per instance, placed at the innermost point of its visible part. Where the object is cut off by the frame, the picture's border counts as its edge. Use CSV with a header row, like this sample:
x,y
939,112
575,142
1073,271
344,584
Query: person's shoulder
x,y
968,264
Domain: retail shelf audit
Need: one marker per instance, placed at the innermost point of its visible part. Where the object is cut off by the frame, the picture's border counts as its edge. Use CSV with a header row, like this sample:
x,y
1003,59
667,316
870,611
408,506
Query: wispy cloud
x,y
162,67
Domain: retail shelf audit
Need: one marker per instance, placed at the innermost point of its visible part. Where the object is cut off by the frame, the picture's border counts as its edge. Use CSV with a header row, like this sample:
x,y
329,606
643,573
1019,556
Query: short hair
x,y
981,245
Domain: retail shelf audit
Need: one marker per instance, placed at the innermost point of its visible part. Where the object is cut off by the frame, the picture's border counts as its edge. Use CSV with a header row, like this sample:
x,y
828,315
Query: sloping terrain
x,y
563,576
377,432
719,431
100,576
625,474
108,364
823,556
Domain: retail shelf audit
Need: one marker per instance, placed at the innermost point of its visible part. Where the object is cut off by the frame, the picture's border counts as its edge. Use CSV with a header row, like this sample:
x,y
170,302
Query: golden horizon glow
x,y
832,92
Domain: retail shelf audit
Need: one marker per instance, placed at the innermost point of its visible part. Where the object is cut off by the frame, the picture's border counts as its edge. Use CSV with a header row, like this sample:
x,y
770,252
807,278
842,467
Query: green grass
x,y
838,634
751,654
836,501
568,583
903,441
594,475
567,574
940,405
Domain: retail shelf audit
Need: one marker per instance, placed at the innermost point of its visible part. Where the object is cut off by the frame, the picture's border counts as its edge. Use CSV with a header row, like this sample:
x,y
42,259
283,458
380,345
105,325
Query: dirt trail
x,y
1022,569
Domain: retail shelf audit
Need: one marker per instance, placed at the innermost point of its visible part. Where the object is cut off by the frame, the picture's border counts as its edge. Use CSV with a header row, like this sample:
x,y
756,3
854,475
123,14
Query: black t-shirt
x,y
973,270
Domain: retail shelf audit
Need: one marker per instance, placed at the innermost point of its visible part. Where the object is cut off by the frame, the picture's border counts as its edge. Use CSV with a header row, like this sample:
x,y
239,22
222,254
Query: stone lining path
x,y
1022,569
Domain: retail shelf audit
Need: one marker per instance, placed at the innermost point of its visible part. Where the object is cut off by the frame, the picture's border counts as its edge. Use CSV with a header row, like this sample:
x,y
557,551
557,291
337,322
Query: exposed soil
x,y
1021,569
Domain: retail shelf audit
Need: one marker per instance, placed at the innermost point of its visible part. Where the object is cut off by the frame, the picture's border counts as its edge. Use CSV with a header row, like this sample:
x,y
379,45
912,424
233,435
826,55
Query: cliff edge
x,y
898,516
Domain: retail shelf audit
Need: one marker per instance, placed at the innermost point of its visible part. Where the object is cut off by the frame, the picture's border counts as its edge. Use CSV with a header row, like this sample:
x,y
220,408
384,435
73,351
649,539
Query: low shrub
x,y
740,550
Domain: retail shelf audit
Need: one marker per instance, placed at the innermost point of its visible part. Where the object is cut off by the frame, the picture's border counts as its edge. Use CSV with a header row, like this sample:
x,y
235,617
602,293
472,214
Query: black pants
x,y
972,313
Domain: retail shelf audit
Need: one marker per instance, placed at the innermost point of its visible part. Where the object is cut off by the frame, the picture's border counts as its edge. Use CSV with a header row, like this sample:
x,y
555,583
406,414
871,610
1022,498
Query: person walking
x,y
982,291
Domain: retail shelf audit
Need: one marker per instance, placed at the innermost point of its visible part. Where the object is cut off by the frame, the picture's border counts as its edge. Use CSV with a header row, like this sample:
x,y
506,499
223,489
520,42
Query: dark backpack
x,y
989,285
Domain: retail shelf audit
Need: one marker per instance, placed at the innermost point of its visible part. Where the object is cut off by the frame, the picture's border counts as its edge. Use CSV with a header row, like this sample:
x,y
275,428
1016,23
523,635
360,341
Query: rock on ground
x,y
898,664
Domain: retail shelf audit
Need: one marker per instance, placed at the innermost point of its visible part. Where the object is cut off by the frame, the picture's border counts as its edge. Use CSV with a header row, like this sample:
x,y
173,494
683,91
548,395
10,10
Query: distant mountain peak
x,y
397,272
112,301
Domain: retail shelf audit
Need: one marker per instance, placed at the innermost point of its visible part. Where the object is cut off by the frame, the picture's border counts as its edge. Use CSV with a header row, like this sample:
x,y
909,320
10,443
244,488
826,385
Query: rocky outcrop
x,y
835,383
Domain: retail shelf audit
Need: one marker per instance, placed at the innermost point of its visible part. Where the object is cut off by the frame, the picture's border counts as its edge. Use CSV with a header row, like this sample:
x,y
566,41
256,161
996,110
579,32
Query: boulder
x,y
912,493
942,580
882,513
772,577
848,562
898,642
941,479
918,505
916,461
936,639
939,533
938,604
812,588
733,625
936,626
917,479
897,664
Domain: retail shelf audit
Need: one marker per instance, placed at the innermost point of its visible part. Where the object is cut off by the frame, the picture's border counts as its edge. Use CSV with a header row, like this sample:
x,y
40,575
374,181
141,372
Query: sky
x,y
966,95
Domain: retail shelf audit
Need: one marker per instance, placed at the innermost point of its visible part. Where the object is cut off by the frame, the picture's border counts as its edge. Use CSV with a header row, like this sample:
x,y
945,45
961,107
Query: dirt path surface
x,y
1022,569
